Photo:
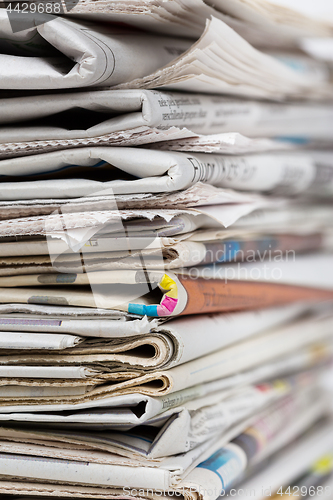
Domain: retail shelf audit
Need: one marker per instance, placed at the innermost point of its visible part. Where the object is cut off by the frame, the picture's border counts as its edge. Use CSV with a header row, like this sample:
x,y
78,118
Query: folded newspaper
x,y
76,227
305,465
107,111
198,471
98,381
289,462
73,173
163,293
140,344
69,54
178,430
259,22
222,206
198,195
197,248
124,117
130,410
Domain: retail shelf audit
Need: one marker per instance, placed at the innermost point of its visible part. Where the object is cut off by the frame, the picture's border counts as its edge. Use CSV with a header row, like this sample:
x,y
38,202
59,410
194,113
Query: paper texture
x,y
94,171
108,111
217,288
40,123
200,69
198,195
223,363
281,419
292,462
116,412
93,49
162,346
193,424
76,228
220,61
253,20
187,252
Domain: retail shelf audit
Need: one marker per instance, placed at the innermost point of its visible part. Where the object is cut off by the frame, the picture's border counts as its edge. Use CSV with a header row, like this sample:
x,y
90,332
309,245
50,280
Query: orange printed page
x,y
209,295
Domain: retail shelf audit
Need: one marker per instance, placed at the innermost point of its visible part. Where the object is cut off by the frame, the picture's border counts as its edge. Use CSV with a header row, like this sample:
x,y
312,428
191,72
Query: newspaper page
x,y
116,412
253,21
228,207
153,171
233,143
198,70
28,122
226,362
152,64
94,50
287,18
227,464
279,419
76,228
192,425
217,288
292,463
176,431
185,253
172,343
286,218
198,195
107,111
100,323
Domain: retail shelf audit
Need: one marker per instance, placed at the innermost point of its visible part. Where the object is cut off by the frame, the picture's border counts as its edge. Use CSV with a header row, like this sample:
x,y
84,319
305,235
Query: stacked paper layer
x,y
166,236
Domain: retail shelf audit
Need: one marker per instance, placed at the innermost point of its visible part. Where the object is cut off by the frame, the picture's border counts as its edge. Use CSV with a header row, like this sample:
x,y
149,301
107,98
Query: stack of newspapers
x,y
166,250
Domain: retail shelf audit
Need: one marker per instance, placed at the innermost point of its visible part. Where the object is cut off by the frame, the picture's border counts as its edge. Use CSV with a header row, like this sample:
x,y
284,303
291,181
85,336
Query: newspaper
x,y
116,412
165,345
253,20
181,19
153,171
198,411
107,111
85,364
314,479
103,323
232,143
246,212
227,464
76,228
144,352
219,62
37,123
292,463
210,65
222,363
279,420
94,50
132,137
299,218
197,290
287,16
171,433
187,252
198,195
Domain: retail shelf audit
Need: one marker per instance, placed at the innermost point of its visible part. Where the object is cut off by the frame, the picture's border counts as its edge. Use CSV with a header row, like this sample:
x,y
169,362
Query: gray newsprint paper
x,y
220,61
